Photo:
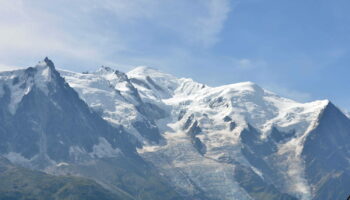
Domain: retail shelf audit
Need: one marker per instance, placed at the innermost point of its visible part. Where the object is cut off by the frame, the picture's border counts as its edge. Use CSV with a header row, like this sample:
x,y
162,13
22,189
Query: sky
x,y
297,48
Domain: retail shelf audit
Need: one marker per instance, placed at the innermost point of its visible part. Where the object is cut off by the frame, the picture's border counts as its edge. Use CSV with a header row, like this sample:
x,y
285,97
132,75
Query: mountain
x,y
149,135
45,120
235,141
46,126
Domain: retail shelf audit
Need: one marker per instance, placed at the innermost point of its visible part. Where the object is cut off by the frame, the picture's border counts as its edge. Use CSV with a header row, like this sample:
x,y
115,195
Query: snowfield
x,y
220,113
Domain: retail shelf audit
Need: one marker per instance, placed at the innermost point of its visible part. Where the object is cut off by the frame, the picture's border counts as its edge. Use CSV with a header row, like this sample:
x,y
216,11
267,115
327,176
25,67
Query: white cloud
x,y
207,27
244,64
106,31
34,32
196,21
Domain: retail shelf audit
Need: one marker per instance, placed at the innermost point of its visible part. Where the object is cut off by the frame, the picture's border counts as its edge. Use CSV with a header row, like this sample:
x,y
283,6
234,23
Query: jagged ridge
x,y
206,141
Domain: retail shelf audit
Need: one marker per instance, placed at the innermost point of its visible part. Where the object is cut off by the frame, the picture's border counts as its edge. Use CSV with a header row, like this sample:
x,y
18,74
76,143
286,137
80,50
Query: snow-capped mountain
x,y
44,119
183,139
214,139
46,126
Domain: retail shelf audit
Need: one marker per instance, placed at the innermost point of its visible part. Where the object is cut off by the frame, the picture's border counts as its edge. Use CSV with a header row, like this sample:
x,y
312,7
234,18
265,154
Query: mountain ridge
x,y
55,131
237,141
246,104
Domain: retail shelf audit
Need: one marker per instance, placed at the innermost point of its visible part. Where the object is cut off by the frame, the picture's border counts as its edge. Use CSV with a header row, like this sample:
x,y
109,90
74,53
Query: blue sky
x,y
299,49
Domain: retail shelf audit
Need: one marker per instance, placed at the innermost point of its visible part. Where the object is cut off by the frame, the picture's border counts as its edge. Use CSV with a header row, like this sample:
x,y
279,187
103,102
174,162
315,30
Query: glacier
x,y
236,141
202,131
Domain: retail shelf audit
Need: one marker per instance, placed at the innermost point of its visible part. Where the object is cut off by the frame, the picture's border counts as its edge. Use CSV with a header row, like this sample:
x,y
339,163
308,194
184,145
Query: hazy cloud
x,y
289,93
106,31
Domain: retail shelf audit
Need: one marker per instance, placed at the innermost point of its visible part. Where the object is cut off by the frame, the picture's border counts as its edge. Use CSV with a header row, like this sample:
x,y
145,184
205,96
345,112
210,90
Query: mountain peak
x,y
20,83
248,85
45,71
143,69
49,63
104,70
243,88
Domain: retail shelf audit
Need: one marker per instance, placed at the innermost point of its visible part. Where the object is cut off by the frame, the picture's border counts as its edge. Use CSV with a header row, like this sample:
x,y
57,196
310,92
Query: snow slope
x,y
202,128
20,82
242,104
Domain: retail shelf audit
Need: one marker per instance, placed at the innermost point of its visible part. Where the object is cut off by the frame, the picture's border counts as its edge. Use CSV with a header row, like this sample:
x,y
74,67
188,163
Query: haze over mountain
x,y
149,135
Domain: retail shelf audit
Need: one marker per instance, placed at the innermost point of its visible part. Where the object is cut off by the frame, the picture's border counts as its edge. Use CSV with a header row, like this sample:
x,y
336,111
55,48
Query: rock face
x,y
46,126
326,153
150,135
51,122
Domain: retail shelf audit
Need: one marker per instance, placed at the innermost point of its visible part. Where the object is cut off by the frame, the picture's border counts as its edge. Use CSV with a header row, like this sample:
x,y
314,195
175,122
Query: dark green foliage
x,y
18,183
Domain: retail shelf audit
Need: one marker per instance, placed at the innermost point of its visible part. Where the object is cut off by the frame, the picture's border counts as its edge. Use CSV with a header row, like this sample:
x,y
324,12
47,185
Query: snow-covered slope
x,y
98,91
112,94
236,141
205,139
46,126
219,115
45,120
20,82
